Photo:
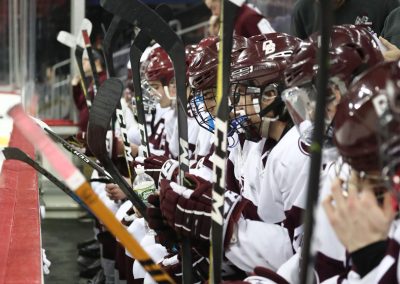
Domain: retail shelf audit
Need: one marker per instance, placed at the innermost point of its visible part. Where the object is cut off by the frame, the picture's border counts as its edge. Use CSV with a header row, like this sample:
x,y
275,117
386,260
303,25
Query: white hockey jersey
x,y
281,199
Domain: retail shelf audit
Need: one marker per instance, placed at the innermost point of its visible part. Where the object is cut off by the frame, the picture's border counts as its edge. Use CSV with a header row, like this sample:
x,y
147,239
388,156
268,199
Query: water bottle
x,y
143,184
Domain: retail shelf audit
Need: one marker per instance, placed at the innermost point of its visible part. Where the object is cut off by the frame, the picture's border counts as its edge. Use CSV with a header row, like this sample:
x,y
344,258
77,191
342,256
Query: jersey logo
x,y
304,148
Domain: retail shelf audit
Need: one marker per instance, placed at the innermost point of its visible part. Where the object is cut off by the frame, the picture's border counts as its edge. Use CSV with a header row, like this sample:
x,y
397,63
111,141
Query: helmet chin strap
x,y
275,105
265,125
173,99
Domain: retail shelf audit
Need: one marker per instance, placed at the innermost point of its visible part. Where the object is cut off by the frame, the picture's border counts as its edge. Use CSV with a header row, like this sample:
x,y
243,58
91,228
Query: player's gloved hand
x,y
170,170
187,209
165,235
179,205
154,163
200,266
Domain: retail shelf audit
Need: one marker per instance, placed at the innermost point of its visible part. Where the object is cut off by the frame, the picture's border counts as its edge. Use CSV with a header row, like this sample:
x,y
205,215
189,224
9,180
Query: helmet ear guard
x,y
159,67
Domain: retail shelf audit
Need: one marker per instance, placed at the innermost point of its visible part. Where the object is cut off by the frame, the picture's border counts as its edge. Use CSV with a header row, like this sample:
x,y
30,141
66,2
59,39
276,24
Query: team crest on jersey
x,y
304,148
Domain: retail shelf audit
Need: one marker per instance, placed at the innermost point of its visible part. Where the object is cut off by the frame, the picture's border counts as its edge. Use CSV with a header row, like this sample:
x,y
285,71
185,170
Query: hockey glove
x,y
188,210
165,235
200,266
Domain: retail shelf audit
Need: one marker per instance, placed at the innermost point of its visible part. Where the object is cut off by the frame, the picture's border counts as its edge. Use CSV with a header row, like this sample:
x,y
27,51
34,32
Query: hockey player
x,y
367,126
158,73
257,81
353,50
193,127
203,78
78,93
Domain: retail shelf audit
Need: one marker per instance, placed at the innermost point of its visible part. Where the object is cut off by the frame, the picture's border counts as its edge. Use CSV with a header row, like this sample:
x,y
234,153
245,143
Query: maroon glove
x,y
188,210
179,205
154,163
200,267
165,234
166,168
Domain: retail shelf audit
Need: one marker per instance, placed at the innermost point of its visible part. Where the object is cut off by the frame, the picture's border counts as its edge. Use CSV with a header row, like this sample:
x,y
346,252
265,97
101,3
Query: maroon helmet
x,y
190,54
349,55
257,77
355,35
203,69
265,59
160,67
367,122
203,77
352,51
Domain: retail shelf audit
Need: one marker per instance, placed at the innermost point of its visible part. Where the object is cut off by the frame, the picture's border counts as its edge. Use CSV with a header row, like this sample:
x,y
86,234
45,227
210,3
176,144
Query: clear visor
x,y
150,96
300,103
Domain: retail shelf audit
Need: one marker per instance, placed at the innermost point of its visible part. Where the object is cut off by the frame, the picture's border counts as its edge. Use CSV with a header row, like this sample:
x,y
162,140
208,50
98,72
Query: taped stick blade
x,y
103,108
67,39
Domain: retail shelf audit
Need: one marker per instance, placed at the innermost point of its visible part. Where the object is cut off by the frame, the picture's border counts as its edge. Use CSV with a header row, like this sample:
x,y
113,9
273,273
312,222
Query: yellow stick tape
x,y
220,57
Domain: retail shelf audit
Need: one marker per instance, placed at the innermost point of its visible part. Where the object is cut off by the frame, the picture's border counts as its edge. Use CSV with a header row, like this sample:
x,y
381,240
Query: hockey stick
x,y
227,19
100,115
72,149
140,43
11,153
109,38
135,12
76,182
88,47
307,259
72,42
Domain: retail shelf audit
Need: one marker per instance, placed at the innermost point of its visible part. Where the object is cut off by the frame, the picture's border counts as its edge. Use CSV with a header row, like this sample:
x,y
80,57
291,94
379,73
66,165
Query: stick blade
x,y
101,113
12,153
67,39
